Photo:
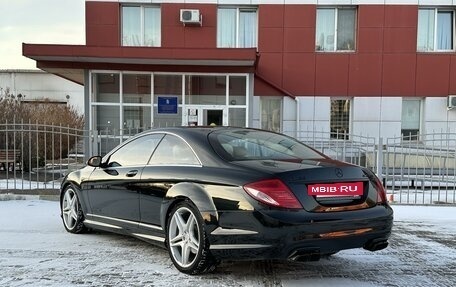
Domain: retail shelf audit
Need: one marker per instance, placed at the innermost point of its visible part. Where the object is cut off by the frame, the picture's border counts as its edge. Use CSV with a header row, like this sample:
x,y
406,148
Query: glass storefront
x,y
125,103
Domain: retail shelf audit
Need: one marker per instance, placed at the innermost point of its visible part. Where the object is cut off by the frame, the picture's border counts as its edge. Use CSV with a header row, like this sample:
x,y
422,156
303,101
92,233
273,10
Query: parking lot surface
x,y
35,250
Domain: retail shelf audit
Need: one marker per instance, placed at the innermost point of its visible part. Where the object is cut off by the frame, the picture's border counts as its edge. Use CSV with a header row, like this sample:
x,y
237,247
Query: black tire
x,y
192,241
71,211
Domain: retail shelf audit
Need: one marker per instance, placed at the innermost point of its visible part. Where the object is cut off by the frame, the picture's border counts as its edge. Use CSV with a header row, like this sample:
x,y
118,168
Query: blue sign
x,y
167,105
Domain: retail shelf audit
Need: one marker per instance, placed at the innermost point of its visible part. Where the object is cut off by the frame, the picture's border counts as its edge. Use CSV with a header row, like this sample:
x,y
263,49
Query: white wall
x,y
437,118
35,85
377,116
370,116
314,113
256,112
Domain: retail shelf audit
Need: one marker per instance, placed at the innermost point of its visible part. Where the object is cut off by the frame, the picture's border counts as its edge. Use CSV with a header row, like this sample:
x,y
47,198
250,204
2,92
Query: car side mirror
x,y
94,161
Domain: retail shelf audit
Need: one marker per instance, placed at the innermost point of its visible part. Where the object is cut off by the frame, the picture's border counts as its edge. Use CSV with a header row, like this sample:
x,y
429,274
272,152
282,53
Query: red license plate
x,y
336,189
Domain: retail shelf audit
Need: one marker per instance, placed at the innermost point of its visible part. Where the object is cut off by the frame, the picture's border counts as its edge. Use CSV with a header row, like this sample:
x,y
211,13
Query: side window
x,y
173,151
136,152
335,29
271,110
411,119
237,27
340,119
141,25
435,30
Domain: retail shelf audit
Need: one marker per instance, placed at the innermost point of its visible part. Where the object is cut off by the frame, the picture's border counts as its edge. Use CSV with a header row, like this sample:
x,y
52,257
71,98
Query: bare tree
x,y
40,130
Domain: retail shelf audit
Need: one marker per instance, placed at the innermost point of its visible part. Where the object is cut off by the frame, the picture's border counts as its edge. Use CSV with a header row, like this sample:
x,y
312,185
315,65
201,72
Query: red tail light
x,y
381,193
272,192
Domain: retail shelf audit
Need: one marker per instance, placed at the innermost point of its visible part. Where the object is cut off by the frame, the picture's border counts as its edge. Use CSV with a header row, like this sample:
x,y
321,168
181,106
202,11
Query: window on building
x,y
340,119
435,30
134,112
271,113
237,28
411,110
335,29
141,26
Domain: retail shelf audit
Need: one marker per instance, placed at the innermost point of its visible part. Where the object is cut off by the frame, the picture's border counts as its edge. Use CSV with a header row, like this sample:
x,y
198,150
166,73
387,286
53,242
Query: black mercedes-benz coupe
x,y
214,193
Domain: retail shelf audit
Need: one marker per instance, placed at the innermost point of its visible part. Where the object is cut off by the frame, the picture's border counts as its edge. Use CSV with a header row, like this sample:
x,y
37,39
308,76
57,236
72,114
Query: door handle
x,y
132,173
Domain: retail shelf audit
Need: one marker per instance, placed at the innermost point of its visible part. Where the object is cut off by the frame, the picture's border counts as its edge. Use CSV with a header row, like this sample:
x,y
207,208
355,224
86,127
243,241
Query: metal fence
x,y
416,169
419,170
354,149
35,156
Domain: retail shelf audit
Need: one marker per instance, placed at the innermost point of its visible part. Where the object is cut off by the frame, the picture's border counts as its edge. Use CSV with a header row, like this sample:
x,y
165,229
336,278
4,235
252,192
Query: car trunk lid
x,y
323,185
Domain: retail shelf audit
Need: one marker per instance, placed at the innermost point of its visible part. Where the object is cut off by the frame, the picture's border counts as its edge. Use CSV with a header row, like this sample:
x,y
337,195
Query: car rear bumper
x,y
277,235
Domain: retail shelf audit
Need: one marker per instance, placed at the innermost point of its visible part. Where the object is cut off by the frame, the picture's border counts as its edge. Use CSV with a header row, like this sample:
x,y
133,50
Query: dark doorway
x,y
214,117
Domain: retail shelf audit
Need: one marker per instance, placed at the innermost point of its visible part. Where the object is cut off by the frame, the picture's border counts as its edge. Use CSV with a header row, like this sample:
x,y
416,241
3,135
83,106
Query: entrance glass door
x,y
205,116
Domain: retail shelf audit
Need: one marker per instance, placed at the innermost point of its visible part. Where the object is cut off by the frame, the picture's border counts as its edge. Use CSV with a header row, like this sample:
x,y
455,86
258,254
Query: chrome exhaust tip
x,y
376,244
305,255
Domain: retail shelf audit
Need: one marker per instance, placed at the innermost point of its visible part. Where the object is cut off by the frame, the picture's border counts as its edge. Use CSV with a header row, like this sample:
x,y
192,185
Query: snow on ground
x,y
35,250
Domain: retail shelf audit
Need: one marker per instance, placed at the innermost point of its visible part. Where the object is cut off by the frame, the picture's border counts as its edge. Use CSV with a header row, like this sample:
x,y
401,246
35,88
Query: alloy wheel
x,y
70,208
184,237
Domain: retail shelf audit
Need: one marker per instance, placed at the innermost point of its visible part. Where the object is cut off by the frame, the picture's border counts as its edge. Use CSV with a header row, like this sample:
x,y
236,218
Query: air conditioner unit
x,y
190,16
451,102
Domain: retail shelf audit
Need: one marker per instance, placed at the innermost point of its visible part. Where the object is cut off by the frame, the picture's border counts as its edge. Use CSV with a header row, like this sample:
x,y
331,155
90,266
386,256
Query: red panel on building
x,y
102,24
365,75
331,74
102,13
371,16
208,12
270,16
401,16
432,75
399,71
370,40
173,36
270,67
384,63
171,15
299,73
200,37
261,88
400,40
270,40
299,40
103,35
452,88
300,16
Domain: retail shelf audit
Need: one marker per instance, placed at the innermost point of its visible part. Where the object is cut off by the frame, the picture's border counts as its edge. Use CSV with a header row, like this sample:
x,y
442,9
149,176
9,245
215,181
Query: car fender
x,y
196,194
75,179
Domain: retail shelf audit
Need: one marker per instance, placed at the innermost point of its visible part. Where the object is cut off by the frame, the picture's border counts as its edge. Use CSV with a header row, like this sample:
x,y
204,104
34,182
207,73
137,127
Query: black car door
x,y
171,163
113,189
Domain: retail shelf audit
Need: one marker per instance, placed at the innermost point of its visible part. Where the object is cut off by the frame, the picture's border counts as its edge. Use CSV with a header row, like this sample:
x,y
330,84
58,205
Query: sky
x,y
38,22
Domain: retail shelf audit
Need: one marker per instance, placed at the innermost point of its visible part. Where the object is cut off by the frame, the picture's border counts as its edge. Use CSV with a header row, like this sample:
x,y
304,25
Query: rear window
x,y
234,145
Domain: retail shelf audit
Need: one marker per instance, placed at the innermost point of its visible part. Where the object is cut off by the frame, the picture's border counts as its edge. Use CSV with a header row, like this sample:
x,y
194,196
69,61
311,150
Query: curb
x,y
14,196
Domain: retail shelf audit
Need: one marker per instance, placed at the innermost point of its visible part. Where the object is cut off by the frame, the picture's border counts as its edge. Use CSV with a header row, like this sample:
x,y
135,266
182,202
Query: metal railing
x,y
419,170
354,149
416,169
35,156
